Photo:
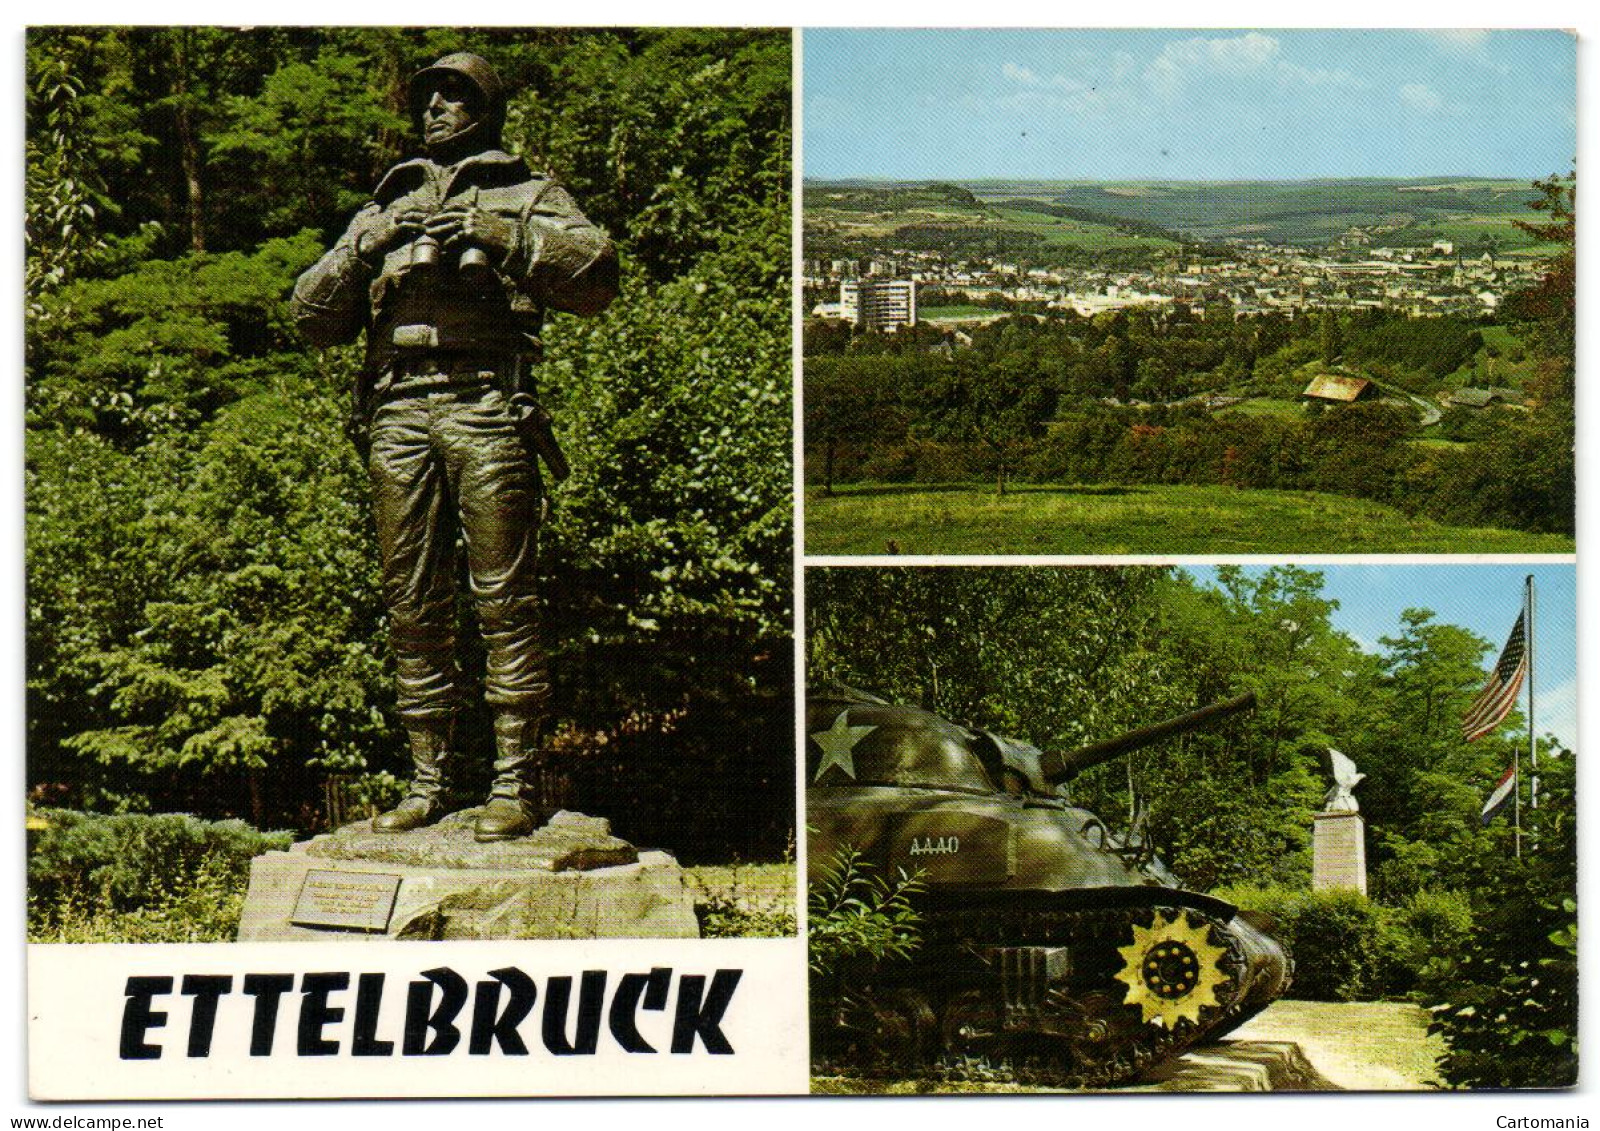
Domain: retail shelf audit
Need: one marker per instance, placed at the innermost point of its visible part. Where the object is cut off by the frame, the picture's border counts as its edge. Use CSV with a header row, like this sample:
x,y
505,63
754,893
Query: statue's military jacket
x,y
560,261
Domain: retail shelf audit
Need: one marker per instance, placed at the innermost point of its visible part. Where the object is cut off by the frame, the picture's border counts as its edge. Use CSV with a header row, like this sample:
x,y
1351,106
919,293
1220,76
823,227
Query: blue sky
x,y
1483,598
919,104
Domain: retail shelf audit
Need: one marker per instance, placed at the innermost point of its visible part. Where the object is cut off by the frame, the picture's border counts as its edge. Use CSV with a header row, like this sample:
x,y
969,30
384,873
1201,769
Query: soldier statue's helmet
x,y
489,109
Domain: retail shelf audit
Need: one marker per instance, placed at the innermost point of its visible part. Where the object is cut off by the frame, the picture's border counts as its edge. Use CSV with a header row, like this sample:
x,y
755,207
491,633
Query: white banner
x,y
430,1019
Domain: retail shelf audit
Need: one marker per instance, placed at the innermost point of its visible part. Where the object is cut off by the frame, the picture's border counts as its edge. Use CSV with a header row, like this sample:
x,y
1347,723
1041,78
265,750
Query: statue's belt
x,y
464,367
409,374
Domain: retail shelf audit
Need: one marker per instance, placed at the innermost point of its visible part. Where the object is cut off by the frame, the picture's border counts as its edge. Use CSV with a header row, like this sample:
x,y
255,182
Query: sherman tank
x,y
1051,950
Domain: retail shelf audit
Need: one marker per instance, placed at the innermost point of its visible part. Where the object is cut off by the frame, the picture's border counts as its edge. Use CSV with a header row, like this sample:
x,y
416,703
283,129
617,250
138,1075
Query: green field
x,y
1154,520
1513,366
1266,406
1064,231
1312,212
959,313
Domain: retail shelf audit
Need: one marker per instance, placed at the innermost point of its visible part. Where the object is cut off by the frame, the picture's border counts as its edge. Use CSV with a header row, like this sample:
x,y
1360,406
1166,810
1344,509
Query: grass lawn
x,y
1501,337
1156,520
961,313
1266,406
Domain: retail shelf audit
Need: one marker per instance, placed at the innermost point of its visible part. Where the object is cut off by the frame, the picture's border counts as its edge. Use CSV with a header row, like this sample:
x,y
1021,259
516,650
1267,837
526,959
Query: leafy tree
x,y
1331,337
256,647
1506,1003
1555,296
165,343
1051,655
1002,406
848,403
63,192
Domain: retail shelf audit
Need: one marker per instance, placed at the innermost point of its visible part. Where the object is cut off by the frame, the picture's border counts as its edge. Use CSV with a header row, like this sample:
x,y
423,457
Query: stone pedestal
x,y
1339,853
570,879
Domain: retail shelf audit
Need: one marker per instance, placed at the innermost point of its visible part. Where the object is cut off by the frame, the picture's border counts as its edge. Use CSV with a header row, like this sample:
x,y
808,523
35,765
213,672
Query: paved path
x,y
1377,1046
1431,413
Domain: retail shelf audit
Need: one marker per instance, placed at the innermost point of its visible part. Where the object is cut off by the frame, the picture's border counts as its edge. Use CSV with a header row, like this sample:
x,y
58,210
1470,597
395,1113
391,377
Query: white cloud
x,y
1049,92
1461,41
1467,44
1121,84
1026,77
1249,56
1418,96
1247,52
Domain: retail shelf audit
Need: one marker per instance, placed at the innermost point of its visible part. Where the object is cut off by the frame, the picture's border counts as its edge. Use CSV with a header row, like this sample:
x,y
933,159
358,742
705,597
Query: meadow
x,y
1161,520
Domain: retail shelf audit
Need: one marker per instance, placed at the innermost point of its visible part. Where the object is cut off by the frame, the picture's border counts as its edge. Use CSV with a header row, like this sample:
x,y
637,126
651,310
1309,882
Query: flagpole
x,y
1516,798
1516,751
1533,734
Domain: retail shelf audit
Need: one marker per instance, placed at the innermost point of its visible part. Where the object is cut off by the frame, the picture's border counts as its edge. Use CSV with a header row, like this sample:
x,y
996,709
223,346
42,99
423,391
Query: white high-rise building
x,y
878,304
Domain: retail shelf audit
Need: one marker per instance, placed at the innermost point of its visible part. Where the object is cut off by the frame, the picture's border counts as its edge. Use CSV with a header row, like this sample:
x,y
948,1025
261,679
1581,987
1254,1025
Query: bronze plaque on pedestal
x,y
352,901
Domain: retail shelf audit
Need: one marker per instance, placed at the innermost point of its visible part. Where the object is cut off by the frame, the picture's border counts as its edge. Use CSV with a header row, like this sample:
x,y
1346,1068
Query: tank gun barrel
x,y
1060,767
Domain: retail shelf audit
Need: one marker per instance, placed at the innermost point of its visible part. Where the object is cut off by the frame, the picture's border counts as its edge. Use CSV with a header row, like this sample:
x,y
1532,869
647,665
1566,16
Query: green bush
x,y
200,908
1344,945
727,919
1510,1018
137,862
1408,869
1426,927
753,901
1505,996
857,919
1347,947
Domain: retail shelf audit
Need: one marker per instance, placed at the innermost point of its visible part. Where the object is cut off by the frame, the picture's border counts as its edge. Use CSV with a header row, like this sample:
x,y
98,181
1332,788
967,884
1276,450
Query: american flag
x,y
1498,696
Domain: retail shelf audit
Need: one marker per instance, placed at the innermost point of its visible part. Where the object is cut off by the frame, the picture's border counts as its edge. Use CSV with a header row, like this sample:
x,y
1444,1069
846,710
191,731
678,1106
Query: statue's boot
x,y
511,810
424,803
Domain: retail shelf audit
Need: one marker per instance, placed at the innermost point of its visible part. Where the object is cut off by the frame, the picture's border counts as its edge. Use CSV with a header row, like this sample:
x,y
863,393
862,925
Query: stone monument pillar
x,y
1339,852
1338,841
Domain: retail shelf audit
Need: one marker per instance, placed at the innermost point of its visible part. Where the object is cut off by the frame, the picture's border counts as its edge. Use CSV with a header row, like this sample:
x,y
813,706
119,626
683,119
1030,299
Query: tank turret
x,y
1049,943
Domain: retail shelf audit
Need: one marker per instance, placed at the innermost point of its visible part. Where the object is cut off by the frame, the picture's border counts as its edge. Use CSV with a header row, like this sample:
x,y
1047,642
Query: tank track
x,y
925,1020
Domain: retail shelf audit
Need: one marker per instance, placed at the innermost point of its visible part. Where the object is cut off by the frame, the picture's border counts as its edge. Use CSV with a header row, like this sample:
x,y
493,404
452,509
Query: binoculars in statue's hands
x,y
426,252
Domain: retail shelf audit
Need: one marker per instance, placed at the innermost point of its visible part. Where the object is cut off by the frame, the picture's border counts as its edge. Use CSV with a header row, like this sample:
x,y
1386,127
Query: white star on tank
x,y
838,742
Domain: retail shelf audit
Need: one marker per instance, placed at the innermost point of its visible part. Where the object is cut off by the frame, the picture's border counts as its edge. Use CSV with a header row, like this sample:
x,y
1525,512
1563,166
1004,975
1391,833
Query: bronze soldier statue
x,y
449,271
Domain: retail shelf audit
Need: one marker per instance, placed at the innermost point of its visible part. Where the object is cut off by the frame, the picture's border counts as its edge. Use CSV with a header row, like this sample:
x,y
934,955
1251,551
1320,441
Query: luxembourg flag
x,y
1503,790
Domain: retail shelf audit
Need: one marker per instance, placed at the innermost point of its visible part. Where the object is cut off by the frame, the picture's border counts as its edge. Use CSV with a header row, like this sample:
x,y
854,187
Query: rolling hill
x,y
1476,214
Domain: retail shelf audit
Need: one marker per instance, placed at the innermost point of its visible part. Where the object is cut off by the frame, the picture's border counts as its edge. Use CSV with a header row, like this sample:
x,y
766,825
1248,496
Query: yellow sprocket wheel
x,y
1171,970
